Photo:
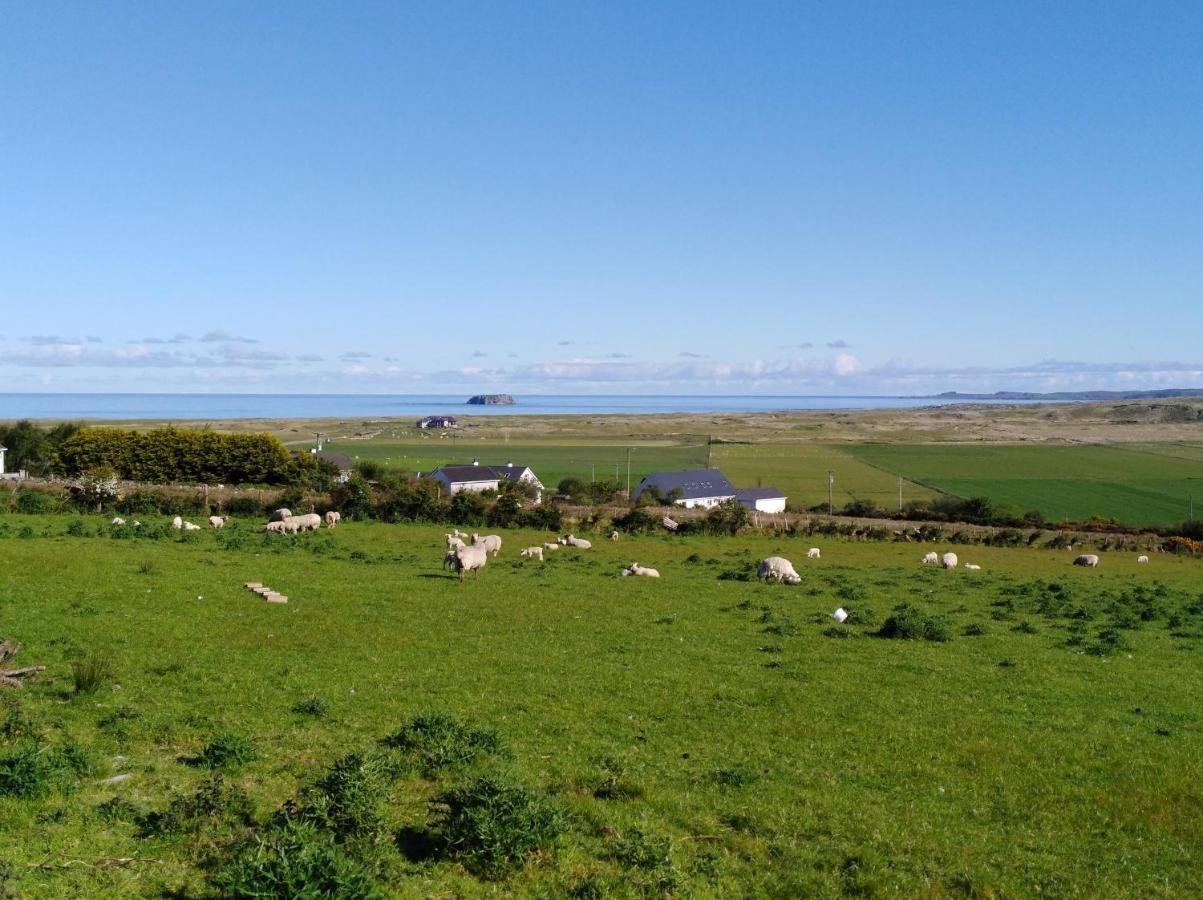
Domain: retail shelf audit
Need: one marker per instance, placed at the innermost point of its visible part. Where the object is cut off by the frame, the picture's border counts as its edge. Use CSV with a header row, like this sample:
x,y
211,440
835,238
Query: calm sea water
x,y
295,406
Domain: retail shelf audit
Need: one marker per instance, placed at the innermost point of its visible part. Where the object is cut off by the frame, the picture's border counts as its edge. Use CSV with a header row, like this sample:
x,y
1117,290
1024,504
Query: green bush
x,y
91,672
38,769
492,824
908,623
36,502
227,751
637,521
213,805
348,801
434,741
317,707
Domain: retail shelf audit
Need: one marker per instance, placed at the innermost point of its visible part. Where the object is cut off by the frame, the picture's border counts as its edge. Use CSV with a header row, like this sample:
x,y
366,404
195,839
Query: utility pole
x,y
900,493
830,493
628,473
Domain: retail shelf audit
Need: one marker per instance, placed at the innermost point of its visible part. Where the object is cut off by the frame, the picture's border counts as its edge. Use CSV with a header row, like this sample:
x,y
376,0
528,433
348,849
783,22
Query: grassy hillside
x,y
694,733
1137,484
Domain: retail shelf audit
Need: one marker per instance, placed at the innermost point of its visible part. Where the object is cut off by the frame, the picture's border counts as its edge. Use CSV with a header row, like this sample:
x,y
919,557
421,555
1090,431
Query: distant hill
x,y
1074,395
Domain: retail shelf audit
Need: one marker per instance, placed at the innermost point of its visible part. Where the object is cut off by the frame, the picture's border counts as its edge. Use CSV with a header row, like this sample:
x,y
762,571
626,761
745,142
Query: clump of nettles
x,y
435,741
213,805
908,623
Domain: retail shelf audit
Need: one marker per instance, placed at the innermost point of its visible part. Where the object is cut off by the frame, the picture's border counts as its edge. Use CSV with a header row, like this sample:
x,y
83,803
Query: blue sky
x,y
575,197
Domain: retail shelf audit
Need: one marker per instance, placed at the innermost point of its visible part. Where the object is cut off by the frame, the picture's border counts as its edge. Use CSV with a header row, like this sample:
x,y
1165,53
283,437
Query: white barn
x,y
762,499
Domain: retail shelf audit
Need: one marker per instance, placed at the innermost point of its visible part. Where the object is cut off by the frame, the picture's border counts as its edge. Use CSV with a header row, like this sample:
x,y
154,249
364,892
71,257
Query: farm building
x,y
437,422
762,499
345,466
697,487
475,477
2,451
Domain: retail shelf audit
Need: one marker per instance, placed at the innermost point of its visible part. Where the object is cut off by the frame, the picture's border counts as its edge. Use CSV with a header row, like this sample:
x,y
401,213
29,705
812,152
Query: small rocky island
x,y
491,400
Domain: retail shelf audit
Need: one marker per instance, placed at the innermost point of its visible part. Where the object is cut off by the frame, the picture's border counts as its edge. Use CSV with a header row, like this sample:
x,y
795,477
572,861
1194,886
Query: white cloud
x,y
224,337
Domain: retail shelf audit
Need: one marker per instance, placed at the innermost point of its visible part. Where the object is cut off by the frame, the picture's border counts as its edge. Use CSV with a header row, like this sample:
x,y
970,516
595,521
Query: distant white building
x,y
2,449
762,499
706,488
478,478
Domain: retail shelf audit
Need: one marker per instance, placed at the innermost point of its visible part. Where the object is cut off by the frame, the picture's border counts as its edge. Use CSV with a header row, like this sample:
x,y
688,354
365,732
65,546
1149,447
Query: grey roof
x,y
760,493
693,484
339,459
465,473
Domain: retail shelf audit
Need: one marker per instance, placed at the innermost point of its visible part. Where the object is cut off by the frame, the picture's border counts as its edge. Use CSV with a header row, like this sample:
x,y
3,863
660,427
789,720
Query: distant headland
x,y
491,400
1074,395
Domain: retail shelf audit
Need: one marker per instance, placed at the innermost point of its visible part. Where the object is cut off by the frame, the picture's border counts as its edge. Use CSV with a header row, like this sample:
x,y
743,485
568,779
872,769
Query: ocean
x,y
215,407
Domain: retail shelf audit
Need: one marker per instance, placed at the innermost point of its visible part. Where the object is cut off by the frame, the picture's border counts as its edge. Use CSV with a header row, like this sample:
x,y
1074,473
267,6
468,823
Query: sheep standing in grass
x,y
551,545
471,559
1087,559
217,521
280,515
453,542
532,553
613,535
490,542
641,571
291,525
274,528
949,560
308,522
333,517
1142,559
930,558
177,523
779,569
814,553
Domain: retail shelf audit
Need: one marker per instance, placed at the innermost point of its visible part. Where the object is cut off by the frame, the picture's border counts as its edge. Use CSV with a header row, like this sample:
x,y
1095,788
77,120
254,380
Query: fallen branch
x,y
12,677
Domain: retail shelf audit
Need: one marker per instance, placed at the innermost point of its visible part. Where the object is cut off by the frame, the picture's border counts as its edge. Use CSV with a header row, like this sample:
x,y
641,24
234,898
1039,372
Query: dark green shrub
x,y
213,805
38,769
227,751
434,741
908,623
492,824
293,860
91,672
244,507
637,521
35,502
77,528
317,707
975,629
733,776
348,800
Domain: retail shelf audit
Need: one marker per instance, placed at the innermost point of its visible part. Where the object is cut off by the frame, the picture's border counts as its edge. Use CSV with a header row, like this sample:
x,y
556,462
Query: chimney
x,y
509,465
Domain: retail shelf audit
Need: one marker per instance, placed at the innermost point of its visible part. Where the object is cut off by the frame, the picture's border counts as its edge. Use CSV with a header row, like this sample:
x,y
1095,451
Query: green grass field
x,y
694,735
1139,485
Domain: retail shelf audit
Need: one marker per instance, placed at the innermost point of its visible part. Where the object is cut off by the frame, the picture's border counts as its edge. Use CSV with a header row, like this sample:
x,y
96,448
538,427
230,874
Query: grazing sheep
x,y
333,517
1142,559
471,559
551,545
571,541
973,567
779,569
949,560
642,571
188,526
137,524
455,532
490,542
118,521
308,522
291,525
532,553
217,521
280,515
814,553
931,558
449,560
1087,559
177,523
453,542
613,535
274,528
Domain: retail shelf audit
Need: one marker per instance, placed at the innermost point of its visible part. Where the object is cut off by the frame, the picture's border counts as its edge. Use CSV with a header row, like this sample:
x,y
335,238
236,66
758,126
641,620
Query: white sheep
x,y
308,522
490,542
814,553
532,553
579,543
457,533
779,569
551,545
118,521
333,517
613,535
1142,559
949,560
274,528
188,526
642,571
177,523
217,521
471,559
280,515
1087,559
453,542
931,558
291,525
972,567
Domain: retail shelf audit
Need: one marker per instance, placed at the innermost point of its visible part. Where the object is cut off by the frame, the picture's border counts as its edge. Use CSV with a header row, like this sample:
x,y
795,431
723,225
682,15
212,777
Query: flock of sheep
x,y
284,522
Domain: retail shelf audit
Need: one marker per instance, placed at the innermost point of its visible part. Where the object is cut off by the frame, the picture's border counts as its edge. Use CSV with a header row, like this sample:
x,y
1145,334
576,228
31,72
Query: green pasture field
x,y
695,735
1148,484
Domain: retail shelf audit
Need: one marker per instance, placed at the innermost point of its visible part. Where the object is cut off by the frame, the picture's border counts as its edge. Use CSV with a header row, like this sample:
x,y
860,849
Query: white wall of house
x,y
703,502
2,449
454,487
771,505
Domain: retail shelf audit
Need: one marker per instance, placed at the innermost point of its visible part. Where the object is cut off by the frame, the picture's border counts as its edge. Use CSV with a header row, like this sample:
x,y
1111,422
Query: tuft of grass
x,y
227,751
492,824
434,741
909,624
92,671
38,769
213,805
348,800
316,707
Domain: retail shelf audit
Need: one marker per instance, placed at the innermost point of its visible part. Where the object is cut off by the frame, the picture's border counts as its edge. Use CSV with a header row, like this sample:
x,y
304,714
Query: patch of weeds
x,y
214,804
91,672
838,631
117,809
1006,664
358,556
226,751
293,860
117,723
435,741
732,776
15,722
975,629
769,648
348,800
37,770
315,707
860,615
1025,627
1109,641
908,623
492,824
26,533
649,853
615,783
664,620
77,528
693,559
736,575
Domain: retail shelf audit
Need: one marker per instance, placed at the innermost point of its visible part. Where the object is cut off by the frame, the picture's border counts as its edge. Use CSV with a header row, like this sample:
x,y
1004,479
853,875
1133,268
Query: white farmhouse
x,y
478,478
762,499
2,449
704,488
